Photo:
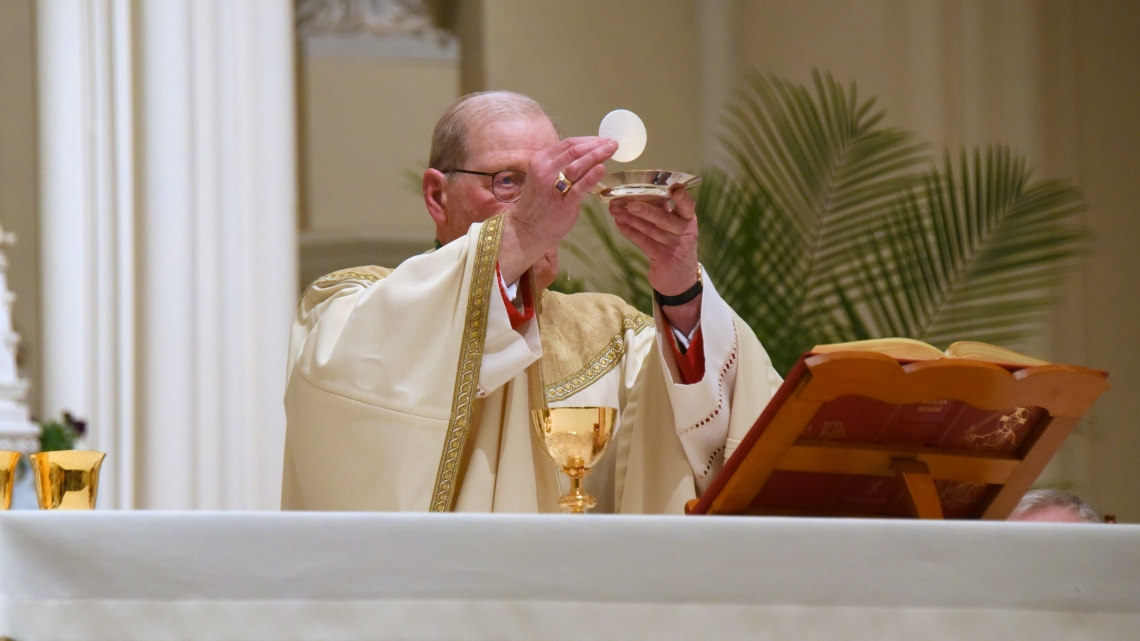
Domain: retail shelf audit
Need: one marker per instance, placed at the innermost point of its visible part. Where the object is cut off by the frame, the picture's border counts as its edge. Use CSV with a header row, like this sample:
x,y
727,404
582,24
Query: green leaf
x,y
56,436
974,253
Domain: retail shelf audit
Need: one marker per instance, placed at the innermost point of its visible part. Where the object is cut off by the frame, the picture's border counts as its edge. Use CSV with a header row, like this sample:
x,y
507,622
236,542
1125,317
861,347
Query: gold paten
x,y
575,437
68,479
643,184
8,461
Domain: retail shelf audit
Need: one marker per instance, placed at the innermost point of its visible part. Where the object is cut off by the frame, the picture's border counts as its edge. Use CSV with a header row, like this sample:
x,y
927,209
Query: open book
x,y
909,349
882,427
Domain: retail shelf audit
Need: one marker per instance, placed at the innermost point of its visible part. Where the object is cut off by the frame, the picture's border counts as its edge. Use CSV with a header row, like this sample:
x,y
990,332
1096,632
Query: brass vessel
x,y
575,437
8,461
68,479
643,184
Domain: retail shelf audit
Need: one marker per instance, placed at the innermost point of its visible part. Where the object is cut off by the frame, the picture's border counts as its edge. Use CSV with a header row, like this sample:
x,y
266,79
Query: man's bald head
x,y
484,132
449,148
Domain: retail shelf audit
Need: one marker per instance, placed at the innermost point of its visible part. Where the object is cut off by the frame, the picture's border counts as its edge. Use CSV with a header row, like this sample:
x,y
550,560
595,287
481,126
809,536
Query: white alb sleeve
x,y
506,351
701,410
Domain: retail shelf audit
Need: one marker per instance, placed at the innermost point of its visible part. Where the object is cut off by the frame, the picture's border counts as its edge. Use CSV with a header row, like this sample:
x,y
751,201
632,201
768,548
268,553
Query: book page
x,y
903,348
990,353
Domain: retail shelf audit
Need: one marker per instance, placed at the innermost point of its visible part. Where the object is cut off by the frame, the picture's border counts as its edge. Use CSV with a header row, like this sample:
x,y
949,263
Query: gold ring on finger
x,y
563,184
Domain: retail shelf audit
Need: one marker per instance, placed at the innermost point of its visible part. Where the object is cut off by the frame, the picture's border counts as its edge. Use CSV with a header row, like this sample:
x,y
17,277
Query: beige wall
x,y
856,40
1108,159
366,122
18,179
602,55
959,73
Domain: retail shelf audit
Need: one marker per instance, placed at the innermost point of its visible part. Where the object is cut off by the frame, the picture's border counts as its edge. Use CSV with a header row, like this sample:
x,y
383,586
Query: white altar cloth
x,y
231,575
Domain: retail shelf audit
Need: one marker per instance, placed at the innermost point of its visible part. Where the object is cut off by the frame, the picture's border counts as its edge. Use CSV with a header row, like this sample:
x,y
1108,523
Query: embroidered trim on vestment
x,y
636,323
600,365
712,459
470,361
343,275
724,370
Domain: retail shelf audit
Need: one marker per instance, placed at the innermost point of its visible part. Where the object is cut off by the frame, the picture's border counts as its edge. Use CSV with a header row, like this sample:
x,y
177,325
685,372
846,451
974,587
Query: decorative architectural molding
x,y
377,29
377,17
440,49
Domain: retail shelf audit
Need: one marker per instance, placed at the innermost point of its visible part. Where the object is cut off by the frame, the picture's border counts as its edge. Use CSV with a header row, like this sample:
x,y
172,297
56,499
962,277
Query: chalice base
x,y
576,501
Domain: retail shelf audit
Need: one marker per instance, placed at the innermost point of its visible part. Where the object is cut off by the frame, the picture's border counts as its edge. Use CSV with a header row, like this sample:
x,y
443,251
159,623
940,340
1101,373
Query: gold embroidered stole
x,y
583,338
470,360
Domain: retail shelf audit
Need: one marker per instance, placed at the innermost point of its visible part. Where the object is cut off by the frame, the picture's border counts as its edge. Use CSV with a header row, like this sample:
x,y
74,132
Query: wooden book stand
x,y
863,434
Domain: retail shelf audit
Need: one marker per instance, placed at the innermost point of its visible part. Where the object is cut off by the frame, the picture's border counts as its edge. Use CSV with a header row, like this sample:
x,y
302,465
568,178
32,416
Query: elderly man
x,y
1054,506
409,388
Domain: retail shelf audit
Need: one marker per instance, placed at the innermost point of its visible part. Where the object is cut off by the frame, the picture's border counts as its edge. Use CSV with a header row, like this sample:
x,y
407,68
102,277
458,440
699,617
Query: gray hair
x,y
449,140
1040,499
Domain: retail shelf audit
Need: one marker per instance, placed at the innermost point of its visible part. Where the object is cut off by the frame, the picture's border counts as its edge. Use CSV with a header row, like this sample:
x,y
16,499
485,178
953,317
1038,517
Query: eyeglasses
x,y
506,185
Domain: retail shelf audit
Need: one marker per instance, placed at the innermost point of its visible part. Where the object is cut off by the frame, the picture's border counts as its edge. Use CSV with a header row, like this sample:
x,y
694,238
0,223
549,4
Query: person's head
x,y
1055,506
486,132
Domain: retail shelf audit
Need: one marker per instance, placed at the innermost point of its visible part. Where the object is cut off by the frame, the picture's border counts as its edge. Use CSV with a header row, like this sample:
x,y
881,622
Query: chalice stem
x,y
576,501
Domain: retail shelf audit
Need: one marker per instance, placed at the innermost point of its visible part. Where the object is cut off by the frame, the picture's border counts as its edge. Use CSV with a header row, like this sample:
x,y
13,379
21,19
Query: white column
x,y
169,245
718,71
87,227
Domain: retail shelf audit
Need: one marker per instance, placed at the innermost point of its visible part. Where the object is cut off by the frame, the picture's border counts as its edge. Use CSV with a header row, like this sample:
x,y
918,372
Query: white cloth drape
x,y
215,575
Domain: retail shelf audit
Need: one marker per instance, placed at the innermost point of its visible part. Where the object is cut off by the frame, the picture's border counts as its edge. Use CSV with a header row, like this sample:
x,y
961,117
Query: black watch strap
x,y
680,299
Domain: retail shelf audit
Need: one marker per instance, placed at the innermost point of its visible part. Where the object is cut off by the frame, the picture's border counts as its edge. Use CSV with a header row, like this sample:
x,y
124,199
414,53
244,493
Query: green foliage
x,y
625,275
61,434
56,436
830,226
973,253
566,285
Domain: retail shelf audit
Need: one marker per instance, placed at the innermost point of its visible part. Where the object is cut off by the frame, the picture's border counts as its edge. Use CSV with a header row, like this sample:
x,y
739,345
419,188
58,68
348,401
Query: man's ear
x,y
435,195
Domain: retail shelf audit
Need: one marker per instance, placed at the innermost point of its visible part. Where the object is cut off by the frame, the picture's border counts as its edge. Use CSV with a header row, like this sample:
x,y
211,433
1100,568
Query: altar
x,y
244,575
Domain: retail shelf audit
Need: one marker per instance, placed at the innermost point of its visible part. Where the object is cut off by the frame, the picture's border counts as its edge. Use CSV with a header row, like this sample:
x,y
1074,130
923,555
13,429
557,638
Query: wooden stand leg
x,y
920,488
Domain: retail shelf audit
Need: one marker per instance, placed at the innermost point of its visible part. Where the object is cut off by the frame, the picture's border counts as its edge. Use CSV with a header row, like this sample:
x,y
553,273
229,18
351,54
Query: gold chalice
x,y
67,479
575,437
8,461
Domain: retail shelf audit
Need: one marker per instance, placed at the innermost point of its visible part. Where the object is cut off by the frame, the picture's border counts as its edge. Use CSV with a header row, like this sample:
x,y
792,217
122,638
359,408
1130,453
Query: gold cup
x,y
68,479
8,461
575,437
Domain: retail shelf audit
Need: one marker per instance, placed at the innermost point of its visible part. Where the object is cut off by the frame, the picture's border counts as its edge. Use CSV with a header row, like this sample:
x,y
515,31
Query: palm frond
x,y
624,274
974,253
753,253
823,160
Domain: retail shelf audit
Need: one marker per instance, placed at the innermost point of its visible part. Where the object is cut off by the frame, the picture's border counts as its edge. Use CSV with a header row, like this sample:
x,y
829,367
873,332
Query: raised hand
x,y
544,214
666,232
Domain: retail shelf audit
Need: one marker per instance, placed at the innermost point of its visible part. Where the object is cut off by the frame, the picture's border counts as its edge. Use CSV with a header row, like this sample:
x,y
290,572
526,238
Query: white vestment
x,y
408,390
